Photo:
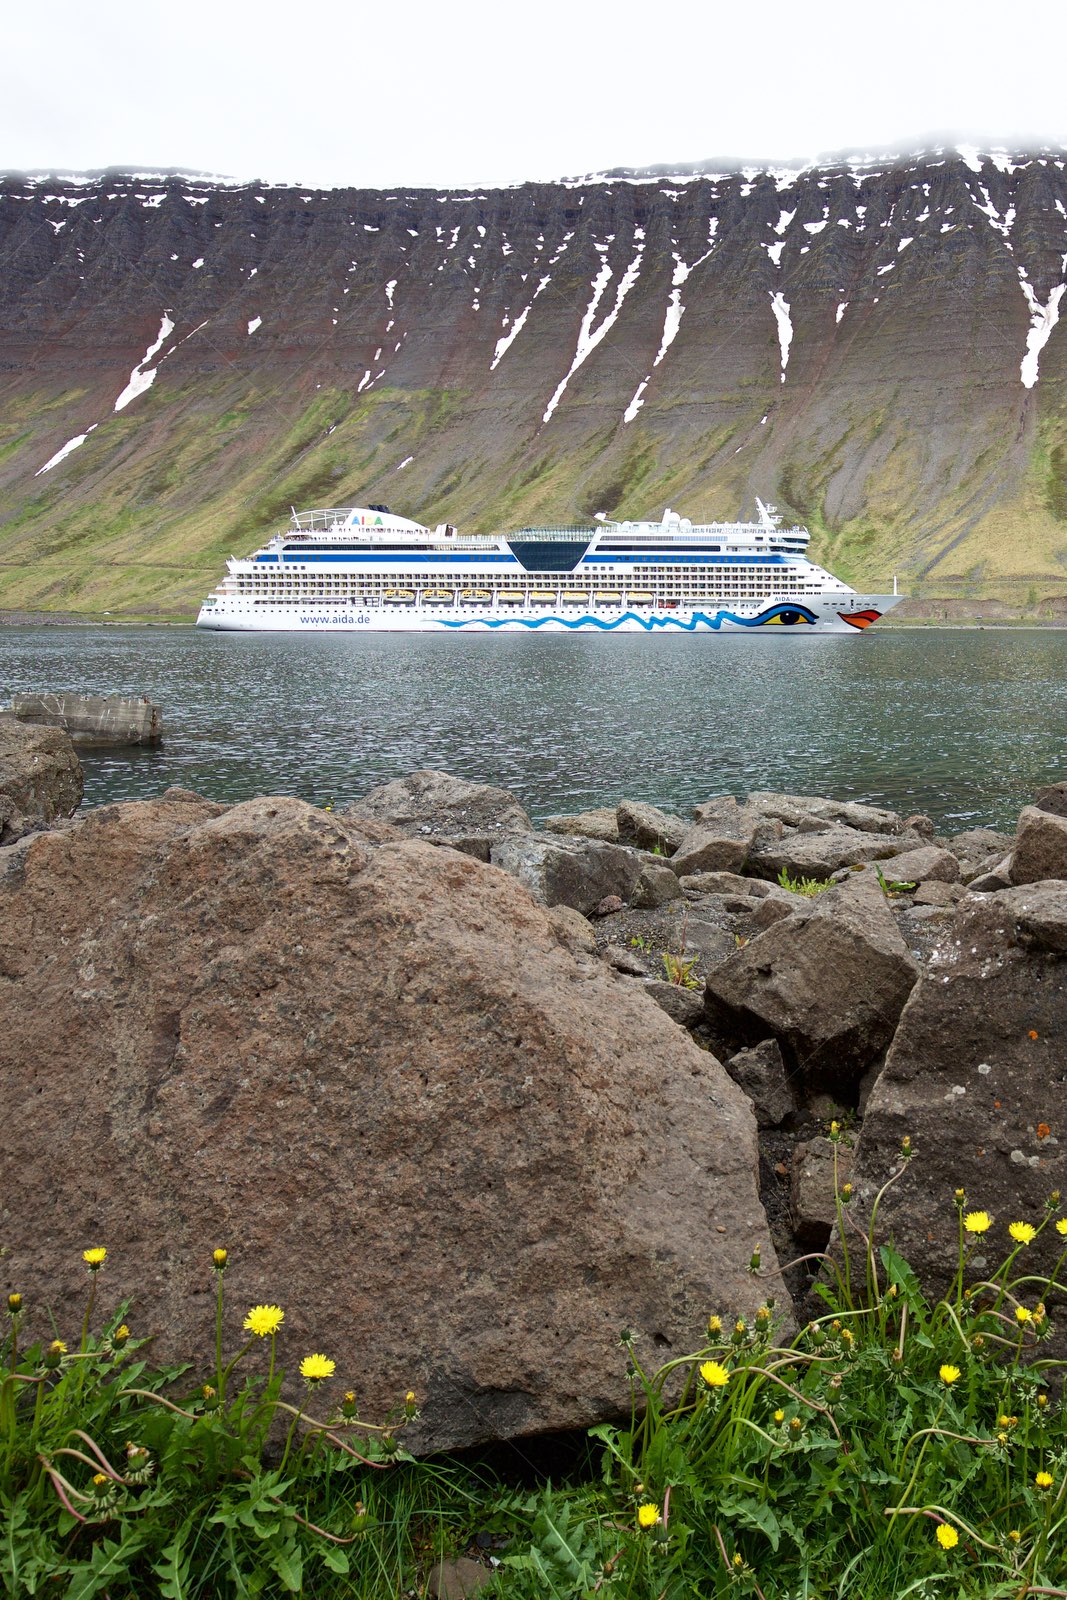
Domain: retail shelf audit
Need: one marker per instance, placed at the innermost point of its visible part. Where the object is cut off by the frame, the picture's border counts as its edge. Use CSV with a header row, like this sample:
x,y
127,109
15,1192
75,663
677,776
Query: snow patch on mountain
x,y
780,307
142,377
588,337
61,455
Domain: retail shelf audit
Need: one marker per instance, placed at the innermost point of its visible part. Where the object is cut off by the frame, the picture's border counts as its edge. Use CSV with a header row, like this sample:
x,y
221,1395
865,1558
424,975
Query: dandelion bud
x,y
835,1381
897,1358
120,1336
978,1341
218,1260
348,1405
1042,1401
739,1561
796,1427
54,1355
626,1336
763,1318
1053,1200
714,1326
960,1196
905,1145
753,1265
779,1417
740,1332
1014,1535
835,1132
209,1397
14,1304
389,1444
818,1337
845,1193
101,1483
410,1403
892,1291
1002,1438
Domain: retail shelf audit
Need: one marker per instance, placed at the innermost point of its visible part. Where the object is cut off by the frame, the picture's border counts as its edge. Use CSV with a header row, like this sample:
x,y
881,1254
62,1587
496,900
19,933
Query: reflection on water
x,y
961,724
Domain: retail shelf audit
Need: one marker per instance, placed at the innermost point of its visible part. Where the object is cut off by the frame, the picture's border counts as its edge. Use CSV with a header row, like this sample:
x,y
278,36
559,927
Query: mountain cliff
x,y
872,344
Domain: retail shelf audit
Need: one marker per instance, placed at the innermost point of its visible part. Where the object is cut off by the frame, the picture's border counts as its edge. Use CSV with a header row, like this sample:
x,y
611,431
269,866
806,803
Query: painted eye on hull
x,y
788,617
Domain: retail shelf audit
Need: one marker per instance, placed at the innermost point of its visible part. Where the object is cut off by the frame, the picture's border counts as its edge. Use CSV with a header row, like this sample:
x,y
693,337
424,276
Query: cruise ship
x,y
365,569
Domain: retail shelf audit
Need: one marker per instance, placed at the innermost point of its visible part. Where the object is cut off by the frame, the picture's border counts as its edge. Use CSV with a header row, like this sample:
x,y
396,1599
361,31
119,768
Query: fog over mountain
x,y
872,343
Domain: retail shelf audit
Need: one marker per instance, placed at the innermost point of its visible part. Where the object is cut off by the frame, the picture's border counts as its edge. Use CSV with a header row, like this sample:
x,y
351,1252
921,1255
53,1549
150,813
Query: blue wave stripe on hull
x,y
647,623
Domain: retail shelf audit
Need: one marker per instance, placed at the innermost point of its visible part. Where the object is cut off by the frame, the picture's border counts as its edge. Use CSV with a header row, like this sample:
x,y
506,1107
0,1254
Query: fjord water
x,y
962,724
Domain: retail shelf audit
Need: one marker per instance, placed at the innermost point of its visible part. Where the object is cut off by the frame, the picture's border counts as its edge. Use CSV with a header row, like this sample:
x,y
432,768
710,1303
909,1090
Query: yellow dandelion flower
x,y
948,1373
1043,1480
314,1368
1022,1232
94,1259
713,1375
779,1416
1014,1535
647,1516
977,1221
1023,1315
14,1304
1061,1226
947,1537
262,1320
218,1260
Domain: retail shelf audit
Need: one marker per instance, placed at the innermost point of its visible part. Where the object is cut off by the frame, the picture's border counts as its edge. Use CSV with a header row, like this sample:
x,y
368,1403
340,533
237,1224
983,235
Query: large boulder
x,y
648,827
40,777
471,817
573,871
822,851
1040,847
598,824
719,839
974,1077
805,810
458,1149
828,982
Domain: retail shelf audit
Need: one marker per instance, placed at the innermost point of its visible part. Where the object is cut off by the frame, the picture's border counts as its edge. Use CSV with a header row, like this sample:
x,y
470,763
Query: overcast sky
x,y
342,92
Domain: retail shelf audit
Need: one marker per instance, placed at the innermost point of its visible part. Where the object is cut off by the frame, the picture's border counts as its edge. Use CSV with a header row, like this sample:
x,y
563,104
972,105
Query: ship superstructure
x,y
363,568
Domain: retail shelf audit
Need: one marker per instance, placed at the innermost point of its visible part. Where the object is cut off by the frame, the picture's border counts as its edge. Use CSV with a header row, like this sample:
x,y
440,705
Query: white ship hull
x,y
844,615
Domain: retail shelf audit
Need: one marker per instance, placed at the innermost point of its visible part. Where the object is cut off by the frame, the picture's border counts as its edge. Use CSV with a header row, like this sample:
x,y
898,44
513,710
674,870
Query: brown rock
x,y
656,886
974,1077
796,810
761,1073
471,817
926,865
935,893
829,983
812,1192
599,824
821,854
461,1156
1040,847
649,828
40,777
719,839
560,870
1052,798
682,1004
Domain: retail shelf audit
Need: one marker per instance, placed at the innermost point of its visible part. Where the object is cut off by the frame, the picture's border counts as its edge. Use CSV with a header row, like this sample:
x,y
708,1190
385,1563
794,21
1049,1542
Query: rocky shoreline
x,y
472,1095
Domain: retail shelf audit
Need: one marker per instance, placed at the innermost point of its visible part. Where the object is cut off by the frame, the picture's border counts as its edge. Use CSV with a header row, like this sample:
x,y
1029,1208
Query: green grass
x,y
897,1445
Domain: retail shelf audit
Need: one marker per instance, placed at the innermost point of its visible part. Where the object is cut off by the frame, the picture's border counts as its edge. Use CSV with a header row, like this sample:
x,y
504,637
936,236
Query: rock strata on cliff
x,y
458,1148
185,360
